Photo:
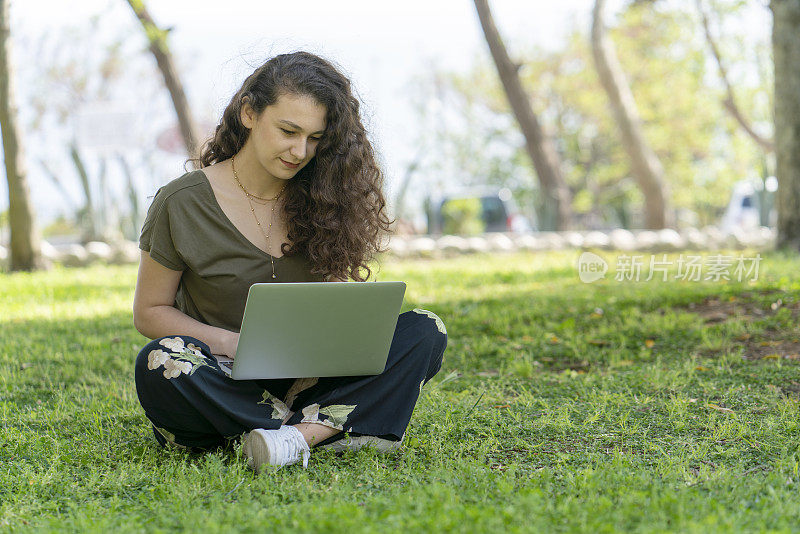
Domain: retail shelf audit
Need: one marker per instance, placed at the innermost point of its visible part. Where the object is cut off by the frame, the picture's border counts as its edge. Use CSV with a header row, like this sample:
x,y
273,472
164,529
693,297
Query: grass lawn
x,y
561,406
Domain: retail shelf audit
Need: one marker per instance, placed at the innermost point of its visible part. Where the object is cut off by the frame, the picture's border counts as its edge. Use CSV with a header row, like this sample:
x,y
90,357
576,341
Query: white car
x,y
751,205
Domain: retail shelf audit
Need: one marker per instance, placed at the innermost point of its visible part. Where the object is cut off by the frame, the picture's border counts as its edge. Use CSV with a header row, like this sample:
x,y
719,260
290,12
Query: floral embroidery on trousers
x,y
186,396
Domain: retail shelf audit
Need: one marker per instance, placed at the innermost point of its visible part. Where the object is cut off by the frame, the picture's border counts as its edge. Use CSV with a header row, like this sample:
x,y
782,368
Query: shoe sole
x,y
255,449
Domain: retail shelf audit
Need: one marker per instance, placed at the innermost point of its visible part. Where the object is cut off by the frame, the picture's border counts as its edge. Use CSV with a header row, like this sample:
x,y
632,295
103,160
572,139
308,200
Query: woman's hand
x,y
229,343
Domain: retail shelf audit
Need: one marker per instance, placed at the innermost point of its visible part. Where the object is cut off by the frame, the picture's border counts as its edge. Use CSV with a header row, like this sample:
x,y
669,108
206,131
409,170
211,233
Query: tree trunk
x,y
645,166
89,222
133,198
786,54
557,197
54,177
405,182
26,254
158,46
730,100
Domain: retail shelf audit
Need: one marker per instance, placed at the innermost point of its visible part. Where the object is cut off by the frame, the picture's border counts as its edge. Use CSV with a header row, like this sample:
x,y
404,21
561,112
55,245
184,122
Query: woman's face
x,y
285,135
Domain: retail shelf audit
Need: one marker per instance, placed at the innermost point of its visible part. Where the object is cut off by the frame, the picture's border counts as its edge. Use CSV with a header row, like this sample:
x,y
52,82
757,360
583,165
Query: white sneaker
x,y
276,448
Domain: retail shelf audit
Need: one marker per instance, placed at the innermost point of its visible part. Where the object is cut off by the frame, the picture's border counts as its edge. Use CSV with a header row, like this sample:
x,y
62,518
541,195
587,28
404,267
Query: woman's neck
x,y
253,177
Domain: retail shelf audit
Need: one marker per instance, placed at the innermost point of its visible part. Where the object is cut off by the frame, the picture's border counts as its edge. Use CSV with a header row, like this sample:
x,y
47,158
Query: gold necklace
x,y
248,193
253,211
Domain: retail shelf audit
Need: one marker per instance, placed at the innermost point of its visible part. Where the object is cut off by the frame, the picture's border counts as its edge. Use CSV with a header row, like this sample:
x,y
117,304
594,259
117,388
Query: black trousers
x,y
191,402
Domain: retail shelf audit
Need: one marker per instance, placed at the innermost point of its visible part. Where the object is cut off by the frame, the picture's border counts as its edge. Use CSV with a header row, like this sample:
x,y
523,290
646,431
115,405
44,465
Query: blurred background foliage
x,y
465,134
679,95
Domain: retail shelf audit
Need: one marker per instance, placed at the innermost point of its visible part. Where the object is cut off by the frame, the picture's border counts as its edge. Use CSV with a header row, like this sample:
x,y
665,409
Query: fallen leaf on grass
x,y
773,356
649,343
598,342
770,343
501,406
743,337
701,368
719,408
554,340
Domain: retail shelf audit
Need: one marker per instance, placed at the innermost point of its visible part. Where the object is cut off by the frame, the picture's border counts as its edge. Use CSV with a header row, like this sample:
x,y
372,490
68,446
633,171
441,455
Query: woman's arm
x,y
154,315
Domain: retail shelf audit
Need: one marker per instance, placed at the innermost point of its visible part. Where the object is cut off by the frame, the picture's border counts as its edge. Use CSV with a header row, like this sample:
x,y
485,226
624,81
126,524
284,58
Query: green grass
x,y
561,406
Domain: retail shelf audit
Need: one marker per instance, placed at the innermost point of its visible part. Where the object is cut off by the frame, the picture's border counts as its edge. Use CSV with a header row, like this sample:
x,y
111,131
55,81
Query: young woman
x,y
288,191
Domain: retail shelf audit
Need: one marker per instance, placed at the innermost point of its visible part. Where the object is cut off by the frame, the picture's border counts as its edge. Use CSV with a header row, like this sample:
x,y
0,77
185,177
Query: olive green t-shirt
x,y
186,230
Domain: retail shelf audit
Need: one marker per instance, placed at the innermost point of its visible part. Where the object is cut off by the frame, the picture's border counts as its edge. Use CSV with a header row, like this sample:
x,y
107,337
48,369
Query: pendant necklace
x,y
253,211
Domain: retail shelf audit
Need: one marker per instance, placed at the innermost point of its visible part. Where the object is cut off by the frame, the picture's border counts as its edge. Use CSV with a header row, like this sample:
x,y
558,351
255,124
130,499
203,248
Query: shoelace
x,y
293,445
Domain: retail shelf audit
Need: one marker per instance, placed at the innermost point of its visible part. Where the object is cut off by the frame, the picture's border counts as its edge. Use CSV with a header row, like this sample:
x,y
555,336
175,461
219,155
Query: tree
x,y
730,98
786,53
26,252
557,197
160,50
661,48
90,64
645,165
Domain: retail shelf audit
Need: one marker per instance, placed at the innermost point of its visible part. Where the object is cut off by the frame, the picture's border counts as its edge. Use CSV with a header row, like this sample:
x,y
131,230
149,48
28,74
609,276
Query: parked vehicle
x,y
498,211
752,205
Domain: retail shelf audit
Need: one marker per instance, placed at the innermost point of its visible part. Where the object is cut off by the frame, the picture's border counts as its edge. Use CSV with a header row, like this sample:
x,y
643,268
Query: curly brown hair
x,y
334,206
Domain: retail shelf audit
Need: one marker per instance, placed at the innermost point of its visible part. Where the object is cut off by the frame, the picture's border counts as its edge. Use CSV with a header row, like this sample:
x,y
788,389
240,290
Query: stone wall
x,y
709,238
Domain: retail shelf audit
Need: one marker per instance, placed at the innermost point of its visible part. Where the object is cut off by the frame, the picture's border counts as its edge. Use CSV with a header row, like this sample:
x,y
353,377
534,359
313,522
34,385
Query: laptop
x,y
315,329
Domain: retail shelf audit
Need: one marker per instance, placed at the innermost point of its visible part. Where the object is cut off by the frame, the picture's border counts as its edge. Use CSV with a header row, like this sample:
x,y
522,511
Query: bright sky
x,y
381,45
